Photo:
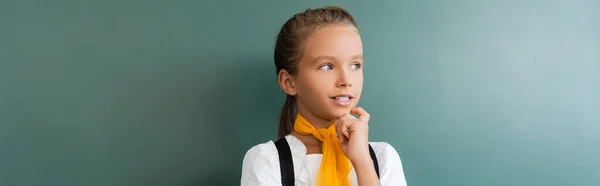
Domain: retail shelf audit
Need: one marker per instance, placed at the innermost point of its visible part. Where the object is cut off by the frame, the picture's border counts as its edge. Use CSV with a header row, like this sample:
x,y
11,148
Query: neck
x,y
313,146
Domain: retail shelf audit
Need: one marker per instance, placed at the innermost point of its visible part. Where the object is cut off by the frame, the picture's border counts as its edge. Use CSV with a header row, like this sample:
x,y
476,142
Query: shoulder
x,y
385,151
260,165
260,155
390,164
261,151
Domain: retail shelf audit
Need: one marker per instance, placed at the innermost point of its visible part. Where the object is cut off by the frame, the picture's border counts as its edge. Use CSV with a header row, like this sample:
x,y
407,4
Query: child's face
x,y
329,70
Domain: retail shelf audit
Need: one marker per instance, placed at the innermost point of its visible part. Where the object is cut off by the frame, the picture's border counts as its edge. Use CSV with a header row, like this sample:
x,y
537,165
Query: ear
x,y
287,82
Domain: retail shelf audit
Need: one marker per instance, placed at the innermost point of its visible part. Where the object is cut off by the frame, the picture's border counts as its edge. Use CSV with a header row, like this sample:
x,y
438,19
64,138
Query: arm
x,y
353,134
354,139
365,174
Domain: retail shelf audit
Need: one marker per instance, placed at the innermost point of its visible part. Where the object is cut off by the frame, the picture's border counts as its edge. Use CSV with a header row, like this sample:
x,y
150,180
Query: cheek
x,y
316,78
316,87
320,86
308,84
358,79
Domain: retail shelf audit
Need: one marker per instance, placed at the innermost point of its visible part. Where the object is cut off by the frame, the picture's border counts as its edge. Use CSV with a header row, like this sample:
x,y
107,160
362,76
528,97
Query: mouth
x,y
343,99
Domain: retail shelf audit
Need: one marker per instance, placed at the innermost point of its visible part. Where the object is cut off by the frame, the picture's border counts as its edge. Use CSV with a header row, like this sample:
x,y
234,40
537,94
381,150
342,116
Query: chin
x,y
338,113
333,112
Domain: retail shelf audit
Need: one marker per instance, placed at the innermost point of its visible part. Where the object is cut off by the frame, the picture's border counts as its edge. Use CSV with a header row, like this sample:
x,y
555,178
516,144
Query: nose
x,y
344,79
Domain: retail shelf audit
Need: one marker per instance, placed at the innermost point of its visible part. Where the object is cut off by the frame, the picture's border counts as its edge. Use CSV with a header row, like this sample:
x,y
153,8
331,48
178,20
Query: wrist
x,y
361,161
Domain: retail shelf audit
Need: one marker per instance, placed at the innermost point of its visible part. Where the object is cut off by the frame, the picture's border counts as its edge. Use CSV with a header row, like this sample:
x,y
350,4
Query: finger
x,y
341,137
338,122
345,127
348,116
346,124
339,127
338,133
362,114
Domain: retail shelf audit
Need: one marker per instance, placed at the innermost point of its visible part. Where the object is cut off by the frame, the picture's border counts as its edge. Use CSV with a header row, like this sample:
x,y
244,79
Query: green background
x,y
157,93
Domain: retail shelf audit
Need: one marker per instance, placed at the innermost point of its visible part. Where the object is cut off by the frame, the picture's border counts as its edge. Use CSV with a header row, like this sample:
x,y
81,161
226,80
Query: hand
x,y
353,134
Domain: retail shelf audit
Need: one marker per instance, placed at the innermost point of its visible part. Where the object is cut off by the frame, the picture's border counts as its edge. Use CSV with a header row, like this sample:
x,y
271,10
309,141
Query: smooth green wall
x,y
157,93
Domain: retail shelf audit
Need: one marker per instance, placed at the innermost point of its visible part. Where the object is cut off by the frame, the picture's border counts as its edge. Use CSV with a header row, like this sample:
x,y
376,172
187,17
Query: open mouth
x,y
342,98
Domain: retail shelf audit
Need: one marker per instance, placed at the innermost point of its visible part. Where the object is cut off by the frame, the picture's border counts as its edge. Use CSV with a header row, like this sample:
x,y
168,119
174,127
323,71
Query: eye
x,y
326,67
355,66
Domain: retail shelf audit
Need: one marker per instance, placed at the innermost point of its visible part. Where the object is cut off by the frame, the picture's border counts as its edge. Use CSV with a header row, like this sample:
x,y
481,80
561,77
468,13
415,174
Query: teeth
x,y
342,98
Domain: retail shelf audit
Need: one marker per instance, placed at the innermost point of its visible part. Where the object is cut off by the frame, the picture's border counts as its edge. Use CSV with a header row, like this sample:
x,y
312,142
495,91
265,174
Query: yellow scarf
x,y
335,166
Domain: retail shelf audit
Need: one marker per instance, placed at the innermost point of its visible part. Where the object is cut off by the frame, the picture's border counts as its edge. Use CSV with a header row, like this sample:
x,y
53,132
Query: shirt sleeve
x,y
390,166
258,167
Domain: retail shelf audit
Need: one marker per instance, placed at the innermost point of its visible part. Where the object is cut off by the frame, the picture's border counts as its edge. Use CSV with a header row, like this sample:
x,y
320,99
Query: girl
x,y
318,56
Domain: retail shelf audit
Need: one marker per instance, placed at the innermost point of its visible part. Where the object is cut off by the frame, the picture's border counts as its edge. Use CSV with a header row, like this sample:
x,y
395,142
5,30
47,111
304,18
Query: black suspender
x,y
374,158
287,165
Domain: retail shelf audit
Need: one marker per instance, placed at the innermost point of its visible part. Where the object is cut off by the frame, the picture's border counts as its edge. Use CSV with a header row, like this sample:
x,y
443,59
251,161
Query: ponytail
x,y
287,117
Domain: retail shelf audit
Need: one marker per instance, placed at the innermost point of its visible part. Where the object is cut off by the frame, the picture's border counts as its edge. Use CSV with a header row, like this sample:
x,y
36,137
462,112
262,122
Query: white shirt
x,y
261,165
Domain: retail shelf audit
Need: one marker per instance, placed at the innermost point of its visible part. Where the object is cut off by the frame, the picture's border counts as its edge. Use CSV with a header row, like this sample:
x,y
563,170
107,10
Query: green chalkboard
x,y
157,93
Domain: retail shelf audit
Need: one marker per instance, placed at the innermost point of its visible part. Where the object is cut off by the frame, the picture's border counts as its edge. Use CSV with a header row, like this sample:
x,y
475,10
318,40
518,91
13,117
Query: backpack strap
x,y
374,158
286,165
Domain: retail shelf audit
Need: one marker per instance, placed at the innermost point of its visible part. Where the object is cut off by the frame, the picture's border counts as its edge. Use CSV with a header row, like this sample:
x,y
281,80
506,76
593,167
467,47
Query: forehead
x,y
335,41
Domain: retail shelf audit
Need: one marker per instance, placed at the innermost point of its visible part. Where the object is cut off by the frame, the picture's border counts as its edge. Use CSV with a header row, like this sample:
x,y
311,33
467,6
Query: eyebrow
x,y
319,58
323,58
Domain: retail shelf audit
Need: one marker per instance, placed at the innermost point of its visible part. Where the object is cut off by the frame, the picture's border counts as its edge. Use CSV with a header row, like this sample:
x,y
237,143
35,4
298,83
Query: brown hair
x,y
289,49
